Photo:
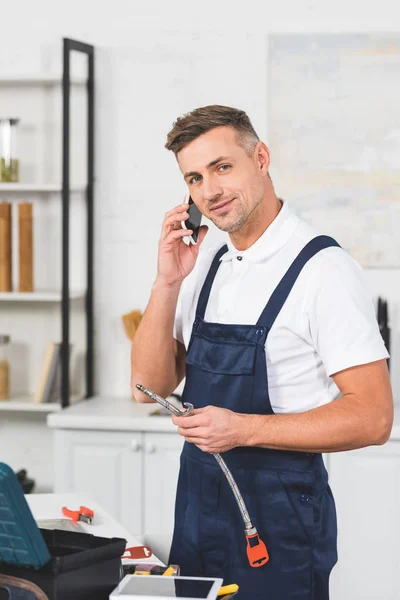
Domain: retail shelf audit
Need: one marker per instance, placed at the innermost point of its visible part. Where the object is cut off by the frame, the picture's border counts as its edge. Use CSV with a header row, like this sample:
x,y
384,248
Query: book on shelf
x,y
49,386
44,375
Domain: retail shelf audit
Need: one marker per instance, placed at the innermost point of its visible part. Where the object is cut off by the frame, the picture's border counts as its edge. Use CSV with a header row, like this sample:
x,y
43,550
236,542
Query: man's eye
x,y
196,177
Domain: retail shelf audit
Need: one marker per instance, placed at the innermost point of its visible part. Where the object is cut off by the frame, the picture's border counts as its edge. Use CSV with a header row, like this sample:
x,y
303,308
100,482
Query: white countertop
x,y
108,413
124,414
48,506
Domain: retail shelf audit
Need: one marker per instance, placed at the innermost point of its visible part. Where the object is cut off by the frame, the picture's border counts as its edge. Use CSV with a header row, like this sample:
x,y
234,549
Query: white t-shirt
x,y
326,325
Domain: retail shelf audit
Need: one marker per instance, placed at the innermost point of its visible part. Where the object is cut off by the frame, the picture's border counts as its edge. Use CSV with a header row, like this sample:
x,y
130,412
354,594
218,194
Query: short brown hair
x,y
193,124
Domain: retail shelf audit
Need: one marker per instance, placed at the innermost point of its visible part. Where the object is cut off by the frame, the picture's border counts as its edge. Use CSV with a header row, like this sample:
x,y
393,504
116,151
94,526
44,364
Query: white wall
x,y
156,60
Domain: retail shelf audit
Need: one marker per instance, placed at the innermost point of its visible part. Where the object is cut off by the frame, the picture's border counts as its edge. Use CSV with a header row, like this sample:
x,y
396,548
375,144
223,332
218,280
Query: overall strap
x,y
206,289
284,287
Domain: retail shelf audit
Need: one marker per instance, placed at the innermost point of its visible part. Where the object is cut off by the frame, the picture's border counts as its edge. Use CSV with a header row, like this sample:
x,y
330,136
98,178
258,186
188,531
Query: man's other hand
x,y
211,428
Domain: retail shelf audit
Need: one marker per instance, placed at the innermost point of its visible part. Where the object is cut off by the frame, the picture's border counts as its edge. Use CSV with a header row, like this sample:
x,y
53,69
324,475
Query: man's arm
x,y
363,416
157,359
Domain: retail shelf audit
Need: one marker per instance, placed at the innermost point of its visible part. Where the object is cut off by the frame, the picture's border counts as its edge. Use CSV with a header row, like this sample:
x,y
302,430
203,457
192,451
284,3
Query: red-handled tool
x,y
83,514
138,552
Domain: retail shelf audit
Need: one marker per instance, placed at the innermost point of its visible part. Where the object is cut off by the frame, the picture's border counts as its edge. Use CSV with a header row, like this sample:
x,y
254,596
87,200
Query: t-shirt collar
x,y
273,239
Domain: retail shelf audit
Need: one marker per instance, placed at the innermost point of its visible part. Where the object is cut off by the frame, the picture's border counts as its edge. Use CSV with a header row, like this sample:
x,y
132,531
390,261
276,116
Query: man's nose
x,y
212,191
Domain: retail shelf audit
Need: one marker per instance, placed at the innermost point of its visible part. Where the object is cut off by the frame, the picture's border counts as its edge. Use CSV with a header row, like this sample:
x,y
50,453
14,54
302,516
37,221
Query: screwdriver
x,y
228,589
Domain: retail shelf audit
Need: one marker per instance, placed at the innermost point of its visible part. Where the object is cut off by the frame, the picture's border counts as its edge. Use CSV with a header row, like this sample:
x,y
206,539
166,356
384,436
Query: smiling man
x,y
277,338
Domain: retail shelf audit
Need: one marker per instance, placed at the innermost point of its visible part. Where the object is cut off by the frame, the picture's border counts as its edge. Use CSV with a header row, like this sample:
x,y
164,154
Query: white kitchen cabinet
x,y
128,461
133,474
106,465
161,468
366,486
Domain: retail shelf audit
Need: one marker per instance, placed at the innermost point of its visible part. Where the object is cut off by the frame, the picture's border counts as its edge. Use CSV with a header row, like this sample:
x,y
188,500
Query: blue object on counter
x,y
21,542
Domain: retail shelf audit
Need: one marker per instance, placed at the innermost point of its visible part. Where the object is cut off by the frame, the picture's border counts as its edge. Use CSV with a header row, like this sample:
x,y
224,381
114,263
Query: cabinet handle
x,y
135,445
151,448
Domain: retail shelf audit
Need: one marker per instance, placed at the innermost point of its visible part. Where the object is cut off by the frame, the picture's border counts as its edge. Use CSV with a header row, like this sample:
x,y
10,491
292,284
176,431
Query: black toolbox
x,y
82,566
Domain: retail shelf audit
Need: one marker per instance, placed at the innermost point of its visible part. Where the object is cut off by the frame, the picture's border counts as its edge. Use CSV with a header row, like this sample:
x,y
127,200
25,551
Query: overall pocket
x,y
222,357
300,500
283,505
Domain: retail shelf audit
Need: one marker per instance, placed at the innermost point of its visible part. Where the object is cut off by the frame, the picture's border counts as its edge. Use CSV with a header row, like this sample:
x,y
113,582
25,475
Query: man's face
x,y
225,183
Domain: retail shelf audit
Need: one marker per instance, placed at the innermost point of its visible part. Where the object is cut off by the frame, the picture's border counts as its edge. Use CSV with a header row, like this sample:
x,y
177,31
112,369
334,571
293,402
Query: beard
x,y
232,223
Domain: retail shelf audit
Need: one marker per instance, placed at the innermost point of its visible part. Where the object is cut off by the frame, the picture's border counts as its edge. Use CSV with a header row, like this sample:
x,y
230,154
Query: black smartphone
x,y
193,222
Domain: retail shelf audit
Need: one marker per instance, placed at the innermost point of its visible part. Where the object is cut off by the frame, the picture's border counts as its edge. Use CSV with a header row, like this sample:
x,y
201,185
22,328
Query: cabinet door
x,y
366,486
161,467
107,465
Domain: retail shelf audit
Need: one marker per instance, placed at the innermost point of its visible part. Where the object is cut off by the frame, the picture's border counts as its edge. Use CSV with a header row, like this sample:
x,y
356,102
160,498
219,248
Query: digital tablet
x,y
157,587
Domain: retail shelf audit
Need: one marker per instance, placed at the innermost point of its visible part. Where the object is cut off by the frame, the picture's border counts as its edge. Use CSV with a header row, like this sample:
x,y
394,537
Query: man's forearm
x,y
152,357
340,425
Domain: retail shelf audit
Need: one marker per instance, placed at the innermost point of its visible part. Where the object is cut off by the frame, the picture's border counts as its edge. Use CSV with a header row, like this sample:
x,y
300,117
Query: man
x,y
277,337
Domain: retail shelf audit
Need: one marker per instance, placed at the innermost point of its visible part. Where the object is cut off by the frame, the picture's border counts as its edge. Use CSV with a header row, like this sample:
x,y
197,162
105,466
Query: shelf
x,y
42,296
26,404
37,188
37,80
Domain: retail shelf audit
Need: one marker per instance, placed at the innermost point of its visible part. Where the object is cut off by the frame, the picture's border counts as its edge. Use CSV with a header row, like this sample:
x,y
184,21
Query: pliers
x,y
83,514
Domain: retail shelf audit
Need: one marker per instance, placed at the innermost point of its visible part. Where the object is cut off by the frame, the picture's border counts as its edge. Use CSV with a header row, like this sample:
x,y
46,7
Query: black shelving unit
x,y
70,46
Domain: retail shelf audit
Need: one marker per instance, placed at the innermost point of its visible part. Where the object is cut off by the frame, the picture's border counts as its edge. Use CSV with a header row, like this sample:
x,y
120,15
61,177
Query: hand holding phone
x,y
176,259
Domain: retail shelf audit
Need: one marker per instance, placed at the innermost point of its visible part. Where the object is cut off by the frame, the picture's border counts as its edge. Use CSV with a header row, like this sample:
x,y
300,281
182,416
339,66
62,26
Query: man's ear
x,y
262,157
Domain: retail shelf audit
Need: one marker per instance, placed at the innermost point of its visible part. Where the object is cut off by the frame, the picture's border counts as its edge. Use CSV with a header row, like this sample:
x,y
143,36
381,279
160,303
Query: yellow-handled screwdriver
x,y
228,589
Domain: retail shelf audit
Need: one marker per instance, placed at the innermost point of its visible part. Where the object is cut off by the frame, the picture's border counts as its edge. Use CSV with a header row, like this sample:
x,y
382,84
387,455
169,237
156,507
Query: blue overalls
x,y
286,493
